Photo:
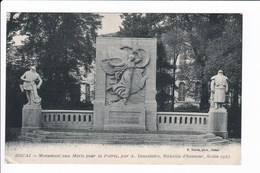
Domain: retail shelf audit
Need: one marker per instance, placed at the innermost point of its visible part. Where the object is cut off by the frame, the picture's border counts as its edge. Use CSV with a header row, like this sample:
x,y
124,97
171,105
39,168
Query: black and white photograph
x,y
122,87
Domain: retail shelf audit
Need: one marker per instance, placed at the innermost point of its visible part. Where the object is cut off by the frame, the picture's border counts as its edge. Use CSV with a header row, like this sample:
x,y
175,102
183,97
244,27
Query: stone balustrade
x,y
67,119
182,121
166,121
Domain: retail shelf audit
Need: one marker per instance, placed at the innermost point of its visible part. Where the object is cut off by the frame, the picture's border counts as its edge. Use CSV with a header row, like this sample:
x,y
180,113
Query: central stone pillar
x,y
125,84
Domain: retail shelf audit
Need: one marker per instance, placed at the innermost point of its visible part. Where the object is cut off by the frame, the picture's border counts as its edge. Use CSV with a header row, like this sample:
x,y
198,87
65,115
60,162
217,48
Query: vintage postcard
x,y
132,86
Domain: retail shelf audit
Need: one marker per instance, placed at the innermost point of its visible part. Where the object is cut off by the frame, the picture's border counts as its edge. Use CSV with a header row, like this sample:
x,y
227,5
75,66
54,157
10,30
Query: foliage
x,y
225,52
163,78
209,41
187,107
175,42
202,38
142,25
58,44
234,122
12,27
145,26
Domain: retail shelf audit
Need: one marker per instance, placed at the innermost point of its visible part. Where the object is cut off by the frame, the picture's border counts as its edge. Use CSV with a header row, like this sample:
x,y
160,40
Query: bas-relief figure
x,y
126,76
30,87
219,87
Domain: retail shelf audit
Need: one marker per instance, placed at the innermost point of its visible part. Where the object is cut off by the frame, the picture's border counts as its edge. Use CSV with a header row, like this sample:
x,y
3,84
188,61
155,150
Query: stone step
x,y
94,137
214,139
125,135
124,139
220,142
33,135
114,137
30,139
35,138
81,131
124,142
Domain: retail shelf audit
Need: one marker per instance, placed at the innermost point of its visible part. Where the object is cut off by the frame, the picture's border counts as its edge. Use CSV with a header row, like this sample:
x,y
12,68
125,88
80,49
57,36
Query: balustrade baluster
x,y
79,118
160,119
89,118
175,120
45,118
69,118
49,117
204,121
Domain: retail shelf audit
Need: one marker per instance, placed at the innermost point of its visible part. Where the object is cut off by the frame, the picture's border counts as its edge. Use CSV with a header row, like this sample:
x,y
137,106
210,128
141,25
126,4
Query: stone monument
x,y
125,84
218,114
31,113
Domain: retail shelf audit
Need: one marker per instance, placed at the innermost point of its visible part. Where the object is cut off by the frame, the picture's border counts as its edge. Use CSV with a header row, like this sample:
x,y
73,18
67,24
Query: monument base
x,y
99,112
218,122
151,116
31,118
125,118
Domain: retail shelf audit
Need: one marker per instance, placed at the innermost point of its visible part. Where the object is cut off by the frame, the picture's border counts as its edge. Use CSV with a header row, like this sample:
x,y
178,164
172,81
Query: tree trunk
x,y
162,101
235,96
204,102
173,89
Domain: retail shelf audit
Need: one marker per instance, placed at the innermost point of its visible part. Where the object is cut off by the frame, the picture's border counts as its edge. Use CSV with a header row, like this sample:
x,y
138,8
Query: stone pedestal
x,y
218,122
31,118
140,111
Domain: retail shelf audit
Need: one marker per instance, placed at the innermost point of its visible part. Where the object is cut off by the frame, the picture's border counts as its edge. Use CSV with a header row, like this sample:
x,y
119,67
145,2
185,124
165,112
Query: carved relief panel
x,y
125,75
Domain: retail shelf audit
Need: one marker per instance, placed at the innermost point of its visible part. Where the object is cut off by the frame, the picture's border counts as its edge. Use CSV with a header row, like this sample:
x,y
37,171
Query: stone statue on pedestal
x,y
219,88
30,87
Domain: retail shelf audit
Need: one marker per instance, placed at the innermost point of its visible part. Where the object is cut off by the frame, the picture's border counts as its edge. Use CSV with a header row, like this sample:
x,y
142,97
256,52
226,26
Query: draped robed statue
x,y
219,88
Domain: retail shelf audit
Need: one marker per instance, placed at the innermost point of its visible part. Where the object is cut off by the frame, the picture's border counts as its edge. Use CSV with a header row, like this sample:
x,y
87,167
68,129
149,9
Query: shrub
x,y
187,107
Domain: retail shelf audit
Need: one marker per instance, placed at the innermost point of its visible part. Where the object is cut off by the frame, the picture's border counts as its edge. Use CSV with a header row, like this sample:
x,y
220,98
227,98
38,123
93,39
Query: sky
x,y
110,24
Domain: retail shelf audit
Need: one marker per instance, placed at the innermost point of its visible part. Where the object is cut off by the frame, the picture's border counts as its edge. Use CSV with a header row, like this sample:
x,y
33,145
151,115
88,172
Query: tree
x,y
175,42
144,26
163,79
15,67
60,43
225,53
12,27
186,32
202,28
141,25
